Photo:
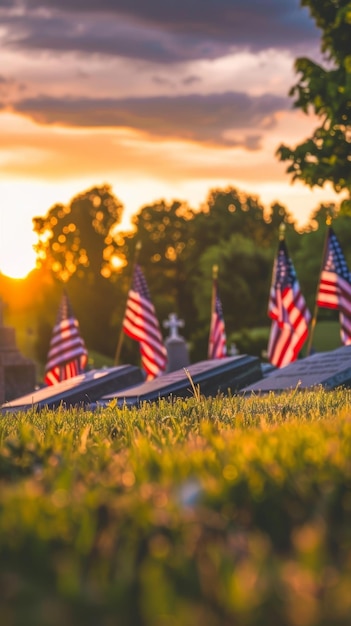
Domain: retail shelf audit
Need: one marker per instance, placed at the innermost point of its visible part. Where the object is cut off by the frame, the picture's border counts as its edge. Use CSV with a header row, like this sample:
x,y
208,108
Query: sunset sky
x,y
159,98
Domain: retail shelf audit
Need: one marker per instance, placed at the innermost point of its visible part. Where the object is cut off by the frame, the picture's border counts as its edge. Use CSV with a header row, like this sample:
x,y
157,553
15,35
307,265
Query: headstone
x,y
212,376
233,350
17,373
177,351
80,390
327,369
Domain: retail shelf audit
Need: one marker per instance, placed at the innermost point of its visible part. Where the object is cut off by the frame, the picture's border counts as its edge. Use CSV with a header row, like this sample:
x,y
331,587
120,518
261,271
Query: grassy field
x,y
217,512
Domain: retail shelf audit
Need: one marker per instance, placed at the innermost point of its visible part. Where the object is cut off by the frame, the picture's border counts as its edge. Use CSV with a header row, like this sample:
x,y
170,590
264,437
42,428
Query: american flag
x,y
68,355
140,323
217,345
288,311
334,290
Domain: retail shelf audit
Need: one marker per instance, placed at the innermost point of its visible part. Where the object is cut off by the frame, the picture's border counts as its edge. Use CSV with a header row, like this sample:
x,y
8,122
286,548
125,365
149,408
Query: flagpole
x,y
282,229
328,222
214,289
281,237
213,300
121,334
214,285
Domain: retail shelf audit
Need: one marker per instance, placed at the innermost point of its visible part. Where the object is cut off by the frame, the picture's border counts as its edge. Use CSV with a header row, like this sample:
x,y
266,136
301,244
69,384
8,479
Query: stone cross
x,y
233,350
173,323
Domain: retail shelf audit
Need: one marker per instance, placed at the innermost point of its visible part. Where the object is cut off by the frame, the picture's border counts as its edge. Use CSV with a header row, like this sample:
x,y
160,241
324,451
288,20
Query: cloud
x,y
111,154
158,31
206,119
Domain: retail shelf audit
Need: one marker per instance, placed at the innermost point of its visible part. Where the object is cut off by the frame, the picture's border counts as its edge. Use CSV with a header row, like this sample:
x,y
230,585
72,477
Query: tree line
x,y
82,249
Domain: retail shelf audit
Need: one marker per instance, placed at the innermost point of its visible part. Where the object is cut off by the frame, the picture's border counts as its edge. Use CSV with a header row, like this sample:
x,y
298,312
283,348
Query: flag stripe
x,y
288,311
217,344
141,324
67,355
334,290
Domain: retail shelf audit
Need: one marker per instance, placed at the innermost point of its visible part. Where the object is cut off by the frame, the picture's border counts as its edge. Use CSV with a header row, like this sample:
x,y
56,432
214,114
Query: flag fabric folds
x,y
67,355
217,345
140,323
334,291
288,311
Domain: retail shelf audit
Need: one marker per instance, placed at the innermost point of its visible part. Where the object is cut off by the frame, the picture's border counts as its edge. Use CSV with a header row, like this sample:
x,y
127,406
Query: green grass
x,y
212,512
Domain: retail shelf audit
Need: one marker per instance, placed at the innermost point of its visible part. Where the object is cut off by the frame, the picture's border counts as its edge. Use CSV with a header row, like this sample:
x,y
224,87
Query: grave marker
x,y
329,369
177,351
78,391
212,376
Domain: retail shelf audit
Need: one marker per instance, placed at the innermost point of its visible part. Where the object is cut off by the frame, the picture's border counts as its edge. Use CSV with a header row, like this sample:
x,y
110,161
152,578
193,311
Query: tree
x,y
326,155
245,271
174,242
77,245
229,211
78,238
164,231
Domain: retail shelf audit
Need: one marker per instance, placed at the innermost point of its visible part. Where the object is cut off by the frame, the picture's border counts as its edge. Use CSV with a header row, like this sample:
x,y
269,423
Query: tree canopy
x,y
325,89
78,237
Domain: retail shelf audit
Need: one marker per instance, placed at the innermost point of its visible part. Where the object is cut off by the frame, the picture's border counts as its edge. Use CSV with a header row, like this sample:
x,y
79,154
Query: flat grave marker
x,y
79,390
330,370
212,376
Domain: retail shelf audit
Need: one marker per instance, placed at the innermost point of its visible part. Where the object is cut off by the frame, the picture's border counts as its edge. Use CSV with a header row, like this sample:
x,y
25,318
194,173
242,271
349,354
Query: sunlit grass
x,y
214,511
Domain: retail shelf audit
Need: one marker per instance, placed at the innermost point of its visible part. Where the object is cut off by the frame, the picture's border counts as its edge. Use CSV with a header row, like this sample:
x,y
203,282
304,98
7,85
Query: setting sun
x,y
21,201
17,256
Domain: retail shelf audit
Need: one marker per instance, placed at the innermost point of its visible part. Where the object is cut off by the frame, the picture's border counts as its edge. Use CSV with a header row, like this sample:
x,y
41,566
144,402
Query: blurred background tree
x,y
78,238
77,246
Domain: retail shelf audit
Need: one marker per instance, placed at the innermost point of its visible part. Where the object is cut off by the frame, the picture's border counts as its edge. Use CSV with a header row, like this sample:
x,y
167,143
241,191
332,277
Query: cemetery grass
x,y
208,512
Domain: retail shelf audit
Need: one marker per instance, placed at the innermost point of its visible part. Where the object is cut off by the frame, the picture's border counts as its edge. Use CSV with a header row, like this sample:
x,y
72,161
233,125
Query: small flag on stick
x,y
287,309
67,355
334,291
140,323
217,346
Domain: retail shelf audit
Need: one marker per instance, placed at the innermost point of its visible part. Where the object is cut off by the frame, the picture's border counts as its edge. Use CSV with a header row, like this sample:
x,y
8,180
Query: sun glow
x,y
20,202
17,256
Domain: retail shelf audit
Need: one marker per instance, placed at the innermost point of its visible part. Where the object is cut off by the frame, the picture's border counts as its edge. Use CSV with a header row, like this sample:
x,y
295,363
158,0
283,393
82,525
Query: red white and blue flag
x,y
217,345
67,355
140,323
288,310
334,290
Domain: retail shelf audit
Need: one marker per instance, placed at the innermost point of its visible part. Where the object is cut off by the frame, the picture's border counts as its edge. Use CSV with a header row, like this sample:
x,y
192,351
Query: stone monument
x,y
229,374
177,351
329,370
17,373
78,391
